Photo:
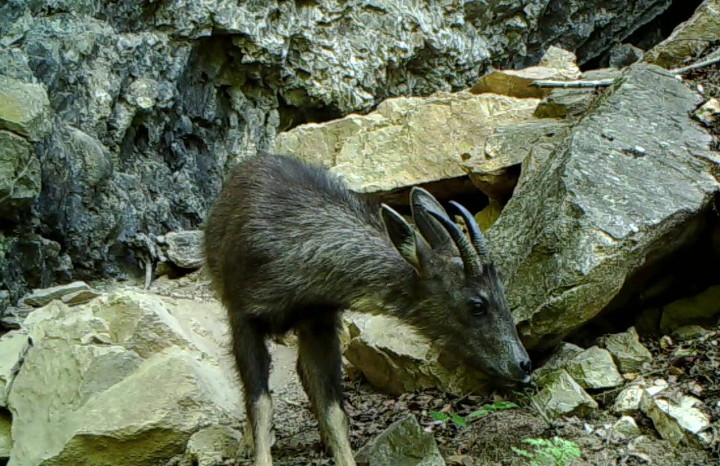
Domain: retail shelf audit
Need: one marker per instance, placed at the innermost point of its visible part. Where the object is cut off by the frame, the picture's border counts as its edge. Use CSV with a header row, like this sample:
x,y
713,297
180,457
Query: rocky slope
x,y
119,119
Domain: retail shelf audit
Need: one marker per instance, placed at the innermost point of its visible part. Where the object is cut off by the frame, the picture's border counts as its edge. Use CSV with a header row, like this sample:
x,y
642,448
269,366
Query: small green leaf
x,y
482,412
457,419
438,416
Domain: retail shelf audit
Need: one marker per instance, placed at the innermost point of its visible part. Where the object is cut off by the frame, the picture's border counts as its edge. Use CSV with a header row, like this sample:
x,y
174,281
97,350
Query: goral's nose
x,y
526,366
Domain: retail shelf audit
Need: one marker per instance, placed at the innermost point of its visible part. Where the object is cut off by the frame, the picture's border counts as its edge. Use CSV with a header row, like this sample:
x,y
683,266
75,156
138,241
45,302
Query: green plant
x,y
555,452
482,412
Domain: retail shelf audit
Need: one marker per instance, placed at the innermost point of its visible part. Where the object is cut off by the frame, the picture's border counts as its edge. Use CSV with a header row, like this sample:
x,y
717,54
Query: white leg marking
x,y
263,431
336,424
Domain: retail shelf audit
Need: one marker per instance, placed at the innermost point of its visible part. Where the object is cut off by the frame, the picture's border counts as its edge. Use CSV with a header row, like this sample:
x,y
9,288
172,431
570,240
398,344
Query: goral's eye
x,y
478,307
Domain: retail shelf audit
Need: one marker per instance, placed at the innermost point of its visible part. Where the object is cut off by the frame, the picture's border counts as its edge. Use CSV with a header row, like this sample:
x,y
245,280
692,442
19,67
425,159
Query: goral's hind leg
x,y
253,362
320,369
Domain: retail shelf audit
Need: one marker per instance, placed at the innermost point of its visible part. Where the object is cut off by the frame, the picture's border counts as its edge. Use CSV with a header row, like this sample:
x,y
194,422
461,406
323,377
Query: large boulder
x,y
407,140
611,199
120,380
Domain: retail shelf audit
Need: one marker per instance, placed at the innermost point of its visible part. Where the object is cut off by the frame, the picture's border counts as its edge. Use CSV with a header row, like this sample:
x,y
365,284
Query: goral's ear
x,y
409,244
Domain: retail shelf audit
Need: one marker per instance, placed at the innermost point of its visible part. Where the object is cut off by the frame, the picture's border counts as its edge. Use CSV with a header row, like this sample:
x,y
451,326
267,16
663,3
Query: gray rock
x,y
590,368
24,108
185,248
679,421
13,346
79,297
626,427
629,398
565,253
20,180
174,94
702,309
622,55
627,350
562,396
39,298
403,443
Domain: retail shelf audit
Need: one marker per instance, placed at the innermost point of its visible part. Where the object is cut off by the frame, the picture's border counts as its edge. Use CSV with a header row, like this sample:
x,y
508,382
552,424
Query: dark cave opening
x,y
654,32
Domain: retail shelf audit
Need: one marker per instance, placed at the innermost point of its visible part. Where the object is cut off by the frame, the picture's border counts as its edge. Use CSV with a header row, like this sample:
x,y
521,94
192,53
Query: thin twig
x,y
575,84
148,273
701,64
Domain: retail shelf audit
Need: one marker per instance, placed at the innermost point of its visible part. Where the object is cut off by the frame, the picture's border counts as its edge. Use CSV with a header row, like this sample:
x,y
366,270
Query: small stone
x,y
403,443
709,113
676,371
628,400
213,446
677,422
41,297
594,368
630,376
185,248
627,350
688,332
701,309
562,396
666,342
626,427
142,93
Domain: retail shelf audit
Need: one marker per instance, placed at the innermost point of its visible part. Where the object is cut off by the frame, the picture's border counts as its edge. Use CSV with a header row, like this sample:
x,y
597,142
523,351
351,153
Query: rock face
x,y
19,174
118,380
147,104
404,443
396,360
565,253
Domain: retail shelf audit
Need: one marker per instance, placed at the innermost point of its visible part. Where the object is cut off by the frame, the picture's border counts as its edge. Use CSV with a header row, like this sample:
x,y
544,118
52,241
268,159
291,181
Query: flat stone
x,y
42,297
403,443
702,309
587,218
688,332
24,108
13,346
562,396
627,351
80,297
557,64
565,103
